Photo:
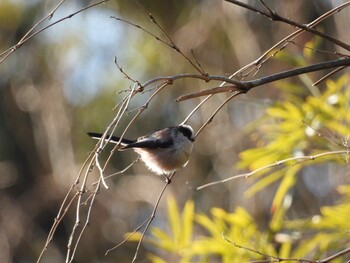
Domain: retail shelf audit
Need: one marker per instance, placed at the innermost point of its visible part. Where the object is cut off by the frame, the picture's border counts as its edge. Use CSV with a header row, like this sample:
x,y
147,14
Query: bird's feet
x,y
167,179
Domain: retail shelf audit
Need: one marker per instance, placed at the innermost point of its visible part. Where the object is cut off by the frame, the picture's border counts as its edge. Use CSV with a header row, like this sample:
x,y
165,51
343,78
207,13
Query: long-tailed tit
x,y
163,151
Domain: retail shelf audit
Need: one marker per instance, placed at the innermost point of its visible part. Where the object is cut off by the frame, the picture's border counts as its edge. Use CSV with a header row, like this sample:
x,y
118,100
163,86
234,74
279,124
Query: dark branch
x,y
296,72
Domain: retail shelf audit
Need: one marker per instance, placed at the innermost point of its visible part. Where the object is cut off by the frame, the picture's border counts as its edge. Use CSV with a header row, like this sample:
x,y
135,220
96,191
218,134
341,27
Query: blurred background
x,y
64,82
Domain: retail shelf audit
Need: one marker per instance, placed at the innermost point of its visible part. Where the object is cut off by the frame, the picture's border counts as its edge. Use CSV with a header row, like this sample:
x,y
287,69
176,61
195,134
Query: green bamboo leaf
x,y
277,208
155,259
263,183
208,224
174,219
285,250
163,240
187,223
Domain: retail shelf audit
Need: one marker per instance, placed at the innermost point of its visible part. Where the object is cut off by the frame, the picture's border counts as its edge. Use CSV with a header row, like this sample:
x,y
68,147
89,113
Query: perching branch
x,y
147,222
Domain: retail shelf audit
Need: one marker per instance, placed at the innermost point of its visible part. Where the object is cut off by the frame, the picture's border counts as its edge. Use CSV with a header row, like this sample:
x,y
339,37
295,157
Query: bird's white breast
x,y
167,160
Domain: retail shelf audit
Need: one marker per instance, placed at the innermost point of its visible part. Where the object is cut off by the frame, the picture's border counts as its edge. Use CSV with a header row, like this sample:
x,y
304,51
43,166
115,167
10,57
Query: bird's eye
x,y
187,132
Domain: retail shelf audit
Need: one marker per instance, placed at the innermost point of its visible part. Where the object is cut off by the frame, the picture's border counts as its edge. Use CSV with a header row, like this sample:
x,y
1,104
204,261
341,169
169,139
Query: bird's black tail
x,y
112,139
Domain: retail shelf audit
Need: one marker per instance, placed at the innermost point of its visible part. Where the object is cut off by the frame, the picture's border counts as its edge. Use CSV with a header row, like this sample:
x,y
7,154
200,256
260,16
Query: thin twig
x,y
87,220
147,222
197,61
140,88
58,219
270,258
19,44
337,255
145,106
328,75
335,53
269,53
97,162
113,125
155,208
210,119
119,172
210,91
48,16
276,17
275,164
62,213
285,41
81,191
128,236
170,43
324,136
196,108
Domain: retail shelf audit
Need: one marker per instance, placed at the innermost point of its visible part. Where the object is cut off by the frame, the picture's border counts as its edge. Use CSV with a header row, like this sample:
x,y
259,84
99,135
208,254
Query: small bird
x,y
163,151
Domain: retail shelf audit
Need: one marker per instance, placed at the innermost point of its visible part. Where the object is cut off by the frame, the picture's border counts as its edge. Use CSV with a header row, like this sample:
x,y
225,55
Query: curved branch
x,y
297,71
245,86
297,159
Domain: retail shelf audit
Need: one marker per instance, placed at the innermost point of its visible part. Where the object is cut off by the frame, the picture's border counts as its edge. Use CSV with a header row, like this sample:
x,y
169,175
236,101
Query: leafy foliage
x,y
293,127
182,244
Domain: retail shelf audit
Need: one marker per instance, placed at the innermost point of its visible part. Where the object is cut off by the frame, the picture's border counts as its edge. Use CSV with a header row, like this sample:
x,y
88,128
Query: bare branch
x,y
97,162
147,222
64,208
30,35
70,252
58,219
298,71
245,86
169,41
279,259
155,208
269,257
298,160
206,92
140,88
328,75
335,53
210,119
284,42
121,171
276,17
87,220
128,237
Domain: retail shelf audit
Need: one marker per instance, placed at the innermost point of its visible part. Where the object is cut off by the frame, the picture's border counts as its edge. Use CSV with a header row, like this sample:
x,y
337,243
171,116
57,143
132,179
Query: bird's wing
x,y
159,134
150,143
